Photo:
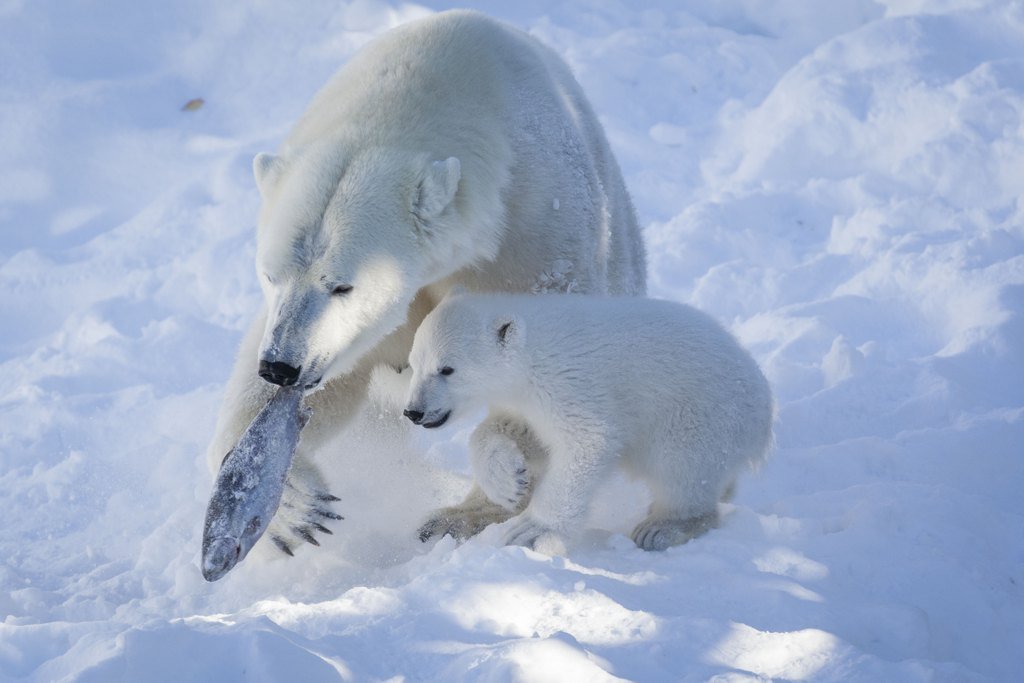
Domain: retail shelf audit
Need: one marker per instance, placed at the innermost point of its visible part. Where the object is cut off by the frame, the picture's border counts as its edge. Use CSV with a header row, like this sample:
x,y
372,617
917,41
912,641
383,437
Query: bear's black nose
x,y
279,373
415,415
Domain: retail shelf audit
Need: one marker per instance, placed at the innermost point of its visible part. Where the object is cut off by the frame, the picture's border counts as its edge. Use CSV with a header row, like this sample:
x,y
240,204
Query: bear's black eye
x,y
341,289
447,370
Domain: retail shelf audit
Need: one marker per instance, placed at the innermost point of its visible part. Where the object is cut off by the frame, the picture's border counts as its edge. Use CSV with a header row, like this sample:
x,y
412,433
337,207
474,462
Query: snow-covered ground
x,y
841,183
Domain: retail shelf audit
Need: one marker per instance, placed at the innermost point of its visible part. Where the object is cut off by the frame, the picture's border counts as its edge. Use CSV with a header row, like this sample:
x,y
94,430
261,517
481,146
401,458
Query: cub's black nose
x,y
279,373
415,415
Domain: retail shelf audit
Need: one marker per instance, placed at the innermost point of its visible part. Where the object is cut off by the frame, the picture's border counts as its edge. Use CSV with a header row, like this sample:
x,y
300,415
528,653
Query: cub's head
x,y
462,358
345,242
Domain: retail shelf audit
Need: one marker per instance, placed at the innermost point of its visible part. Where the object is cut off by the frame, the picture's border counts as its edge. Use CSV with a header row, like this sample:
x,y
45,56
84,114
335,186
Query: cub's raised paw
x,y
500,469
508,489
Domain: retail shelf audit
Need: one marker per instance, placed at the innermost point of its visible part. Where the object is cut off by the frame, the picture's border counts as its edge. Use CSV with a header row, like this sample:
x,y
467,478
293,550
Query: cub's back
x,y
636,347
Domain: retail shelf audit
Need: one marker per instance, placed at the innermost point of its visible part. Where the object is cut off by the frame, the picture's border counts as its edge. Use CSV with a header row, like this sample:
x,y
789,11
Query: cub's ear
x,y
509,332
266,168
437,188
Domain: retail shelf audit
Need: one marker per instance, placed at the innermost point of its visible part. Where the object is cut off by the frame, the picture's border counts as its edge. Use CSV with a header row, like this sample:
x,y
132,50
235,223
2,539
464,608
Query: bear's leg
x,y
306,503
513,447
680,512
305,508
561,498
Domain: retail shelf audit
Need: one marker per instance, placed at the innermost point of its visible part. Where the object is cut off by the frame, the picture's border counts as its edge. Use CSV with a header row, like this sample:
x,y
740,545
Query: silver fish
x,y
250,483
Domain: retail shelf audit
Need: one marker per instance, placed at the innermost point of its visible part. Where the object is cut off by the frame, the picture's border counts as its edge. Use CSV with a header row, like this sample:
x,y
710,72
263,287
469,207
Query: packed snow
x,y
841,184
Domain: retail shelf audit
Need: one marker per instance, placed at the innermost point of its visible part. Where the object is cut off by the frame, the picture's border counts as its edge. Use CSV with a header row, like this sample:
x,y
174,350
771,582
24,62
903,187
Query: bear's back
x,y
424,80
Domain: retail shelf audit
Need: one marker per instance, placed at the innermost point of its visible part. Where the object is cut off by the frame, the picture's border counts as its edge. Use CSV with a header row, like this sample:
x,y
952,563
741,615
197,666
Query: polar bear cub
x,y
654,386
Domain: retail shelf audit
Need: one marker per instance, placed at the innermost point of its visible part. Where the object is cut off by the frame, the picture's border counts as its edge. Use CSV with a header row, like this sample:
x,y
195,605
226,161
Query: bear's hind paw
x,y
659,534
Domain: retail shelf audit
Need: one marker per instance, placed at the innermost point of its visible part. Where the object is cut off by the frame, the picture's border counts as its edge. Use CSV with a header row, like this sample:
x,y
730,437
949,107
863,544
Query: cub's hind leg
x,y
685,506
661,531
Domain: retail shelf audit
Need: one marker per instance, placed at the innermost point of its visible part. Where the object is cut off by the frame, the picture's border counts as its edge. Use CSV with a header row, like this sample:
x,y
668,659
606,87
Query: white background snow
x,y
841,183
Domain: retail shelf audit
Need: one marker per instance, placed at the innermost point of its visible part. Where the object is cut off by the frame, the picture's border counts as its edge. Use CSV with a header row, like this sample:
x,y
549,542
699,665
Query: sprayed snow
x,y
843,188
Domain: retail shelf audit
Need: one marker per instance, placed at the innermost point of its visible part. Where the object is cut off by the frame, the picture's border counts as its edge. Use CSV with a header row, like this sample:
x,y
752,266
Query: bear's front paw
x,y
464,520
305,509
528,532
456,522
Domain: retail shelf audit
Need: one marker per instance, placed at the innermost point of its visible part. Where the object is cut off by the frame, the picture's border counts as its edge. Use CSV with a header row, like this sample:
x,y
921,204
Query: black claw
x,y
320,527
282,546
327,498
305,535
327,513
427,531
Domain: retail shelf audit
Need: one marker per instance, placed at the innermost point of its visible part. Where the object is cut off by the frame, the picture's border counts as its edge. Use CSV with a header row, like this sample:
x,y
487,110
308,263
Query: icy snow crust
x,y
842,187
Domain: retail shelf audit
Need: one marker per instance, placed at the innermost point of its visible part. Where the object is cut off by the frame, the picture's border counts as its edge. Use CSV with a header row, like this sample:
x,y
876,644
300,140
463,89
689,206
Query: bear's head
x,y
345,241
463,357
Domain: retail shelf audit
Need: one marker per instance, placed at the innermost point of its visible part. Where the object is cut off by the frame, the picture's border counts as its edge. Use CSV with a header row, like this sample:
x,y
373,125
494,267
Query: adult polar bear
x,y
451,151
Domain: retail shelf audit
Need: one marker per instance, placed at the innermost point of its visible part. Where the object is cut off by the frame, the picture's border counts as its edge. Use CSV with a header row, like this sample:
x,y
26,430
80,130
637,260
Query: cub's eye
x,y
341,289
447,370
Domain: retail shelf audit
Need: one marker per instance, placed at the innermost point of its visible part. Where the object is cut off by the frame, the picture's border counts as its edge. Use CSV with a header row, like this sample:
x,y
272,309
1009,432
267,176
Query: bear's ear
x,y
437,188
266,168
509,331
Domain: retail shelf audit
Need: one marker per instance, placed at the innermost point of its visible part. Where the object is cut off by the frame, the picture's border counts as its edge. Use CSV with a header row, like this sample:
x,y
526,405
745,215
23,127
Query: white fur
x,y
433,158
656,387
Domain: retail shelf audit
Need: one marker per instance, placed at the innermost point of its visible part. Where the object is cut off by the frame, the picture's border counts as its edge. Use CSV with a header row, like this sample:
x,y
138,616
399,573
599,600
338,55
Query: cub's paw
x,y
528,532
462,521
304,511
500,469
659,534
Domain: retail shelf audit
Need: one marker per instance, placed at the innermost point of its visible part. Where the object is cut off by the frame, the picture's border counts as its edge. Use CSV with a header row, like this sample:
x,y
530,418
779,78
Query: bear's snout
x,y
424,420
279,373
